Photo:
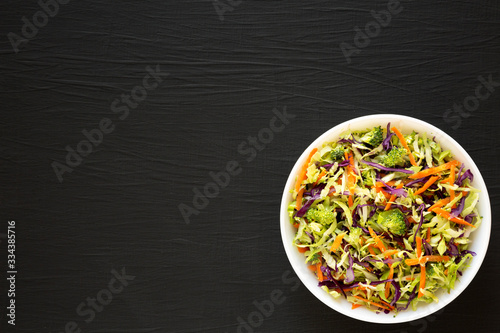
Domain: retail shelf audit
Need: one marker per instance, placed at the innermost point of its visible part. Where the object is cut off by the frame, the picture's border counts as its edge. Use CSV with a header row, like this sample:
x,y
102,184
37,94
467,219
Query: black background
x,y
119,208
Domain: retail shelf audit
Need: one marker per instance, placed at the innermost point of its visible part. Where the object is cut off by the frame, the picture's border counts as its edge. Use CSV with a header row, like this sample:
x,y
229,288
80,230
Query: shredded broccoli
x,y
374,137
337,153
394,157
367,177
393,220
321,214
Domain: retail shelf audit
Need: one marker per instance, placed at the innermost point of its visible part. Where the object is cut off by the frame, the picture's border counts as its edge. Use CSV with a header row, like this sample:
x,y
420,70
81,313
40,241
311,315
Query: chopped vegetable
x,y
393,220
380,228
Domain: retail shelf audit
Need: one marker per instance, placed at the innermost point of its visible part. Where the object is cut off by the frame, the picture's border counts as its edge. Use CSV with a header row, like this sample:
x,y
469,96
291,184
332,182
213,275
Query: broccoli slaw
x,y
384,219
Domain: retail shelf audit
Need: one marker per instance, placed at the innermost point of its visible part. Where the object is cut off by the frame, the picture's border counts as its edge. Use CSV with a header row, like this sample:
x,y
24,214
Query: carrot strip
x,y
371,250
319,273
298,204
434,170
312,268
321,175
303,170
349,201
302,249
331,191
425,259
336,242
422,280
428,238
439,204
446,215
419,247
379,243
373,303
388,284
391,200
355,306
452,181
389,253
427,184
403,142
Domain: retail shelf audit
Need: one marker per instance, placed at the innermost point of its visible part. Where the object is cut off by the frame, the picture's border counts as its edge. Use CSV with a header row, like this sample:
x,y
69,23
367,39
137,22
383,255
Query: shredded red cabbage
x,y
455,212
467,174
387,141
397,293
393,190
349,274
381,167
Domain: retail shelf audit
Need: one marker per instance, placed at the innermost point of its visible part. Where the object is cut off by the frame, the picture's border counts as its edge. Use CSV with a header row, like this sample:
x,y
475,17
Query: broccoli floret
x,y
367,177
320,214
337,153
393,220
394,157
374,137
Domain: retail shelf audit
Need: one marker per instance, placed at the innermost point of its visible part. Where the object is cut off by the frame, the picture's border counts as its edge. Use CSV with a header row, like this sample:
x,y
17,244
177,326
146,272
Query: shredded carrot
x,y
389,253
391,200
349,201
303,170
336,242
452,181
447,215
425,259
355,306
373,303
380,190
427,184
321,175
419,246
378,242
312,268
440,203
388,284
302,249
428,238
296,225
403,142
411,220
331,191
434,170
371,250
422,280
319,273
298,204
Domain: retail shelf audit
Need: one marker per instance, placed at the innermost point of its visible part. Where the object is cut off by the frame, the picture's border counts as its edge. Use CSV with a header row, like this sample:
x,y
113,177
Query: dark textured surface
x,y
119,208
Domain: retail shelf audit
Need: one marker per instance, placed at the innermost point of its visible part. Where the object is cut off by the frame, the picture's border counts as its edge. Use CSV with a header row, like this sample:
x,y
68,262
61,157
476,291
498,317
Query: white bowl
x,y
479,237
